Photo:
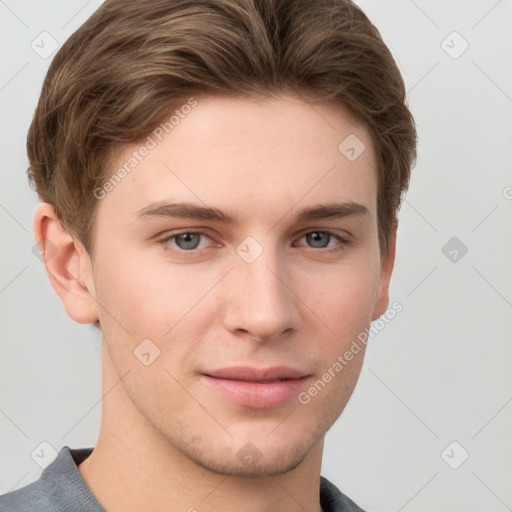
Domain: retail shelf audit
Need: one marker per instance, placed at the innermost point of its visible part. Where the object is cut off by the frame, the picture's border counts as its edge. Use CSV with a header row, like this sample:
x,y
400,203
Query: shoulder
x,y
31,497
333,500
60,488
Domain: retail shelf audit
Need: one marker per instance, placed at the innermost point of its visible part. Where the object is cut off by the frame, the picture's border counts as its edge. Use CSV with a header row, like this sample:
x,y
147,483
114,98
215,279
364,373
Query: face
x,y
234,265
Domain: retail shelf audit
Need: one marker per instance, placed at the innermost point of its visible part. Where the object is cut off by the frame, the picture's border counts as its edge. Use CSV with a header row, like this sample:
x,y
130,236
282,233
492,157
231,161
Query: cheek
x,y
344,303
148,298
344,297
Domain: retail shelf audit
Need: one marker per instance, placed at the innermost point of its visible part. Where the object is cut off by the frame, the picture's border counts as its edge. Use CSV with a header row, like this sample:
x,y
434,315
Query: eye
x,y
323,239
186,241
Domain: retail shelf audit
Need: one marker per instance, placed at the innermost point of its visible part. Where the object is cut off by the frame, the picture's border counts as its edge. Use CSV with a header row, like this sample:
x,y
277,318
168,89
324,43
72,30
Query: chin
x,y
257,466
245,455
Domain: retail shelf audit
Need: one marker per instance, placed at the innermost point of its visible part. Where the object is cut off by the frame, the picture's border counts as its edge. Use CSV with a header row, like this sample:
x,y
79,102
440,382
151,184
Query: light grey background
x,y
438,373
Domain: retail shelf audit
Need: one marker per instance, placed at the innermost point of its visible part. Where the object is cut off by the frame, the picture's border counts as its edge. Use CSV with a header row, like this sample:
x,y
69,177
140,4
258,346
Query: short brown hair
x,y
133,61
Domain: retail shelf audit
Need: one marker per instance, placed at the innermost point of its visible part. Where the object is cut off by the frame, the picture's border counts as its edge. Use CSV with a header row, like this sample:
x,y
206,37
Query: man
x,y
220,182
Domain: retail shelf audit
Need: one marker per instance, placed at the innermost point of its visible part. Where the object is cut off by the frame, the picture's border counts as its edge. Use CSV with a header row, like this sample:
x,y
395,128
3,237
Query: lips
x,y
257,388
247,373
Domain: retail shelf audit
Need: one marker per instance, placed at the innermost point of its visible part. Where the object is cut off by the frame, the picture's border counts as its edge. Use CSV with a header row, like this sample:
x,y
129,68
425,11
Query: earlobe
x,y
386,269
67,264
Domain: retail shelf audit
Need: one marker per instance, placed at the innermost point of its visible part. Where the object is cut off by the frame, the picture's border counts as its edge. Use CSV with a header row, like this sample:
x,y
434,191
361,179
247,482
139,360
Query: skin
x,y
167,440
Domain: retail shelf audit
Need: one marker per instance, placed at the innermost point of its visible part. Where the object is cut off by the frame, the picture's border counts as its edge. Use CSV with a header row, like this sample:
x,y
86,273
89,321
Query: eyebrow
x,y
193,211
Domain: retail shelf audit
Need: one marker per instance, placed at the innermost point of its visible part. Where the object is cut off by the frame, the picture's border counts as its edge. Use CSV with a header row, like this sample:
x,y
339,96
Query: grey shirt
x,y
61,488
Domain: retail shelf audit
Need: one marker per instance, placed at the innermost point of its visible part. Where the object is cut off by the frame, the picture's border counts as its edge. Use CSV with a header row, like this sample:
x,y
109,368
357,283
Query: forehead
x,y
264,155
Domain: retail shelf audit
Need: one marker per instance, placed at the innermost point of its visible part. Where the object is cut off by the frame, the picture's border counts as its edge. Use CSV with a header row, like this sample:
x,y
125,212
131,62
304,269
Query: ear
x,y
67,264
386,269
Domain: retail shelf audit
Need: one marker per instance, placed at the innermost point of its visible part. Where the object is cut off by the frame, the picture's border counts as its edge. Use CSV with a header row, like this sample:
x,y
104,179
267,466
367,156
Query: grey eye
x,y
318,239
187,241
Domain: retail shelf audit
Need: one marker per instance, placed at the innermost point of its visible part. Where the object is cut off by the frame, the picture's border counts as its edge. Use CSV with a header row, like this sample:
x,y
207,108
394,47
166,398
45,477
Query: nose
x,y
260,301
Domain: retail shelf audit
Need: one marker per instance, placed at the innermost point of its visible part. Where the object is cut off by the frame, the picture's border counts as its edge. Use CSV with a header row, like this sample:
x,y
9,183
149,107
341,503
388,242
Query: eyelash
x,y
192,252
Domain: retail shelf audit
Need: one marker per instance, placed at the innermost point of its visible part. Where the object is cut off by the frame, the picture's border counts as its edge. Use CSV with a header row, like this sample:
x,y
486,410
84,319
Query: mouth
x,y
256,388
